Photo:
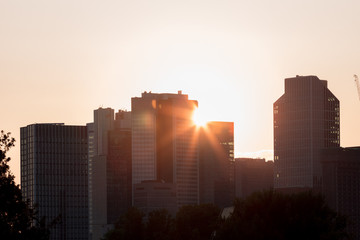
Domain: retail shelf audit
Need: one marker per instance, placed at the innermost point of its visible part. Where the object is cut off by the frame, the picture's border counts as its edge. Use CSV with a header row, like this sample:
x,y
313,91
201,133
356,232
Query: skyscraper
x,y
217,164
109,169
306,120
98,150
165,143
54,176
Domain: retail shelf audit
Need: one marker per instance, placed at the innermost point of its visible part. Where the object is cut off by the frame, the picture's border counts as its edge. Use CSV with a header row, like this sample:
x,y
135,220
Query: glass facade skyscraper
x,y
165,143
306,120
54,176
216,166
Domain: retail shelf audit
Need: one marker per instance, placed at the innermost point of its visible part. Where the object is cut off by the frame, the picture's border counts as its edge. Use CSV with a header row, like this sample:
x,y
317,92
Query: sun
x,y
198,119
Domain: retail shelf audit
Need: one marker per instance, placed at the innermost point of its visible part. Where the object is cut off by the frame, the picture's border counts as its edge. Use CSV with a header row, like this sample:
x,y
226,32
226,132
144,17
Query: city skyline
x,y
61,60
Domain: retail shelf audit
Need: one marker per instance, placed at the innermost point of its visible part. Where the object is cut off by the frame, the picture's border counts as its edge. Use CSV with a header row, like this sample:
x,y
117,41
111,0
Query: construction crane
x,y
357,84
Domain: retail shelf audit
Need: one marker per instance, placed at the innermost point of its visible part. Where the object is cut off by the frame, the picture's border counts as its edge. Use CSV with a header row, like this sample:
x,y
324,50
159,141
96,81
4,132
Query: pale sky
x,y
61,59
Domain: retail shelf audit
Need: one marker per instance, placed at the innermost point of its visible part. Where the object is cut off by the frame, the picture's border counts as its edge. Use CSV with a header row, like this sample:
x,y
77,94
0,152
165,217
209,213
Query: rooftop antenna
x,y
357,84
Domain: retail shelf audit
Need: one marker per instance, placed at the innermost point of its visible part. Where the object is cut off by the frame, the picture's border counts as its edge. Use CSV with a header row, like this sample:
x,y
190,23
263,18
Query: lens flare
x,y
198,119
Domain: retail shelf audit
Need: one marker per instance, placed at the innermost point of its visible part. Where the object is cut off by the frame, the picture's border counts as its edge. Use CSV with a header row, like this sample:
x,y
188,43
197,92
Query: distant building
x,y
341,184
165,143
217,164
252,175
54,176
119,187
306,120
109,169
154,195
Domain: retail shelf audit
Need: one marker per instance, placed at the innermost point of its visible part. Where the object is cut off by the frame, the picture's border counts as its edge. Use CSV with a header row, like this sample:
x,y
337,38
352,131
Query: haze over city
x,y
60,60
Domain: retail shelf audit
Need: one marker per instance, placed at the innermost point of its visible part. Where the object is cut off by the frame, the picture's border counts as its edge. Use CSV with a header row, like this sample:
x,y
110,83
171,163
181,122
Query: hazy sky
x,y
60,60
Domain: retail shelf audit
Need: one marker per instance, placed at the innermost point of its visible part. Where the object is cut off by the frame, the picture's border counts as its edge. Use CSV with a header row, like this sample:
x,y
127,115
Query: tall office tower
x,y
306,120
118,168
54,176
98,149
217,164
109,169
252,175
165,143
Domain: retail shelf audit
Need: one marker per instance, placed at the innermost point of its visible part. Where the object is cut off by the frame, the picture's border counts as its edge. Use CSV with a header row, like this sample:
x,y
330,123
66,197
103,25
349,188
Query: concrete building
x,y
165,143
252,175
54,176
217,164
341,184
306,120
109,154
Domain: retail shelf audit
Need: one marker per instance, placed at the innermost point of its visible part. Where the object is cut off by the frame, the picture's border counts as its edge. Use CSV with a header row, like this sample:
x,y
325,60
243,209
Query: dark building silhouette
x,y
154,195
252,175
118,174
109,157
341,184
306,120
54,176
165,143
216,164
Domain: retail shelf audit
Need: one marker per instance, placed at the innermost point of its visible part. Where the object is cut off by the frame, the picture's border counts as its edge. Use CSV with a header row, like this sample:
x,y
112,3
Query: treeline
x,y
264,215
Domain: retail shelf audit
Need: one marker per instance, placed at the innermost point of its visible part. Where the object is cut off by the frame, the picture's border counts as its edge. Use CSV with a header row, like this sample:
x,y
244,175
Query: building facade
x,y
341,184
216,167
98,151
165,143
54,176
253,175
109,154
155,195
306,120
118,174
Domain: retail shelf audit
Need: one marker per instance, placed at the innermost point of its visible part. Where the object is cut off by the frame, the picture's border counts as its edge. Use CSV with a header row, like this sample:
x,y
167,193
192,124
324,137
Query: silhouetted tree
x,y
272,215
196,222
17,219
130,226
192,222
160,225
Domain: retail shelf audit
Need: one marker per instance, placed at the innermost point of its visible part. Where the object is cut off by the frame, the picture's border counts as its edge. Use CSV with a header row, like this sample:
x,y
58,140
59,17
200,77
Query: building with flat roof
x,y
54,176
119,187
306,120
165,143
253,175
216,166
109,169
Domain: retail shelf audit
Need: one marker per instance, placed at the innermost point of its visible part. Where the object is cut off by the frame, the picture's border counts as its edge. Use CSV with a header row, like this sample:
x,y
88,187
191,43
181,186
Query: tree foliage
x,y
271,215
267,215
6,142
17,220
196,222
129,226
191,222
160,226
